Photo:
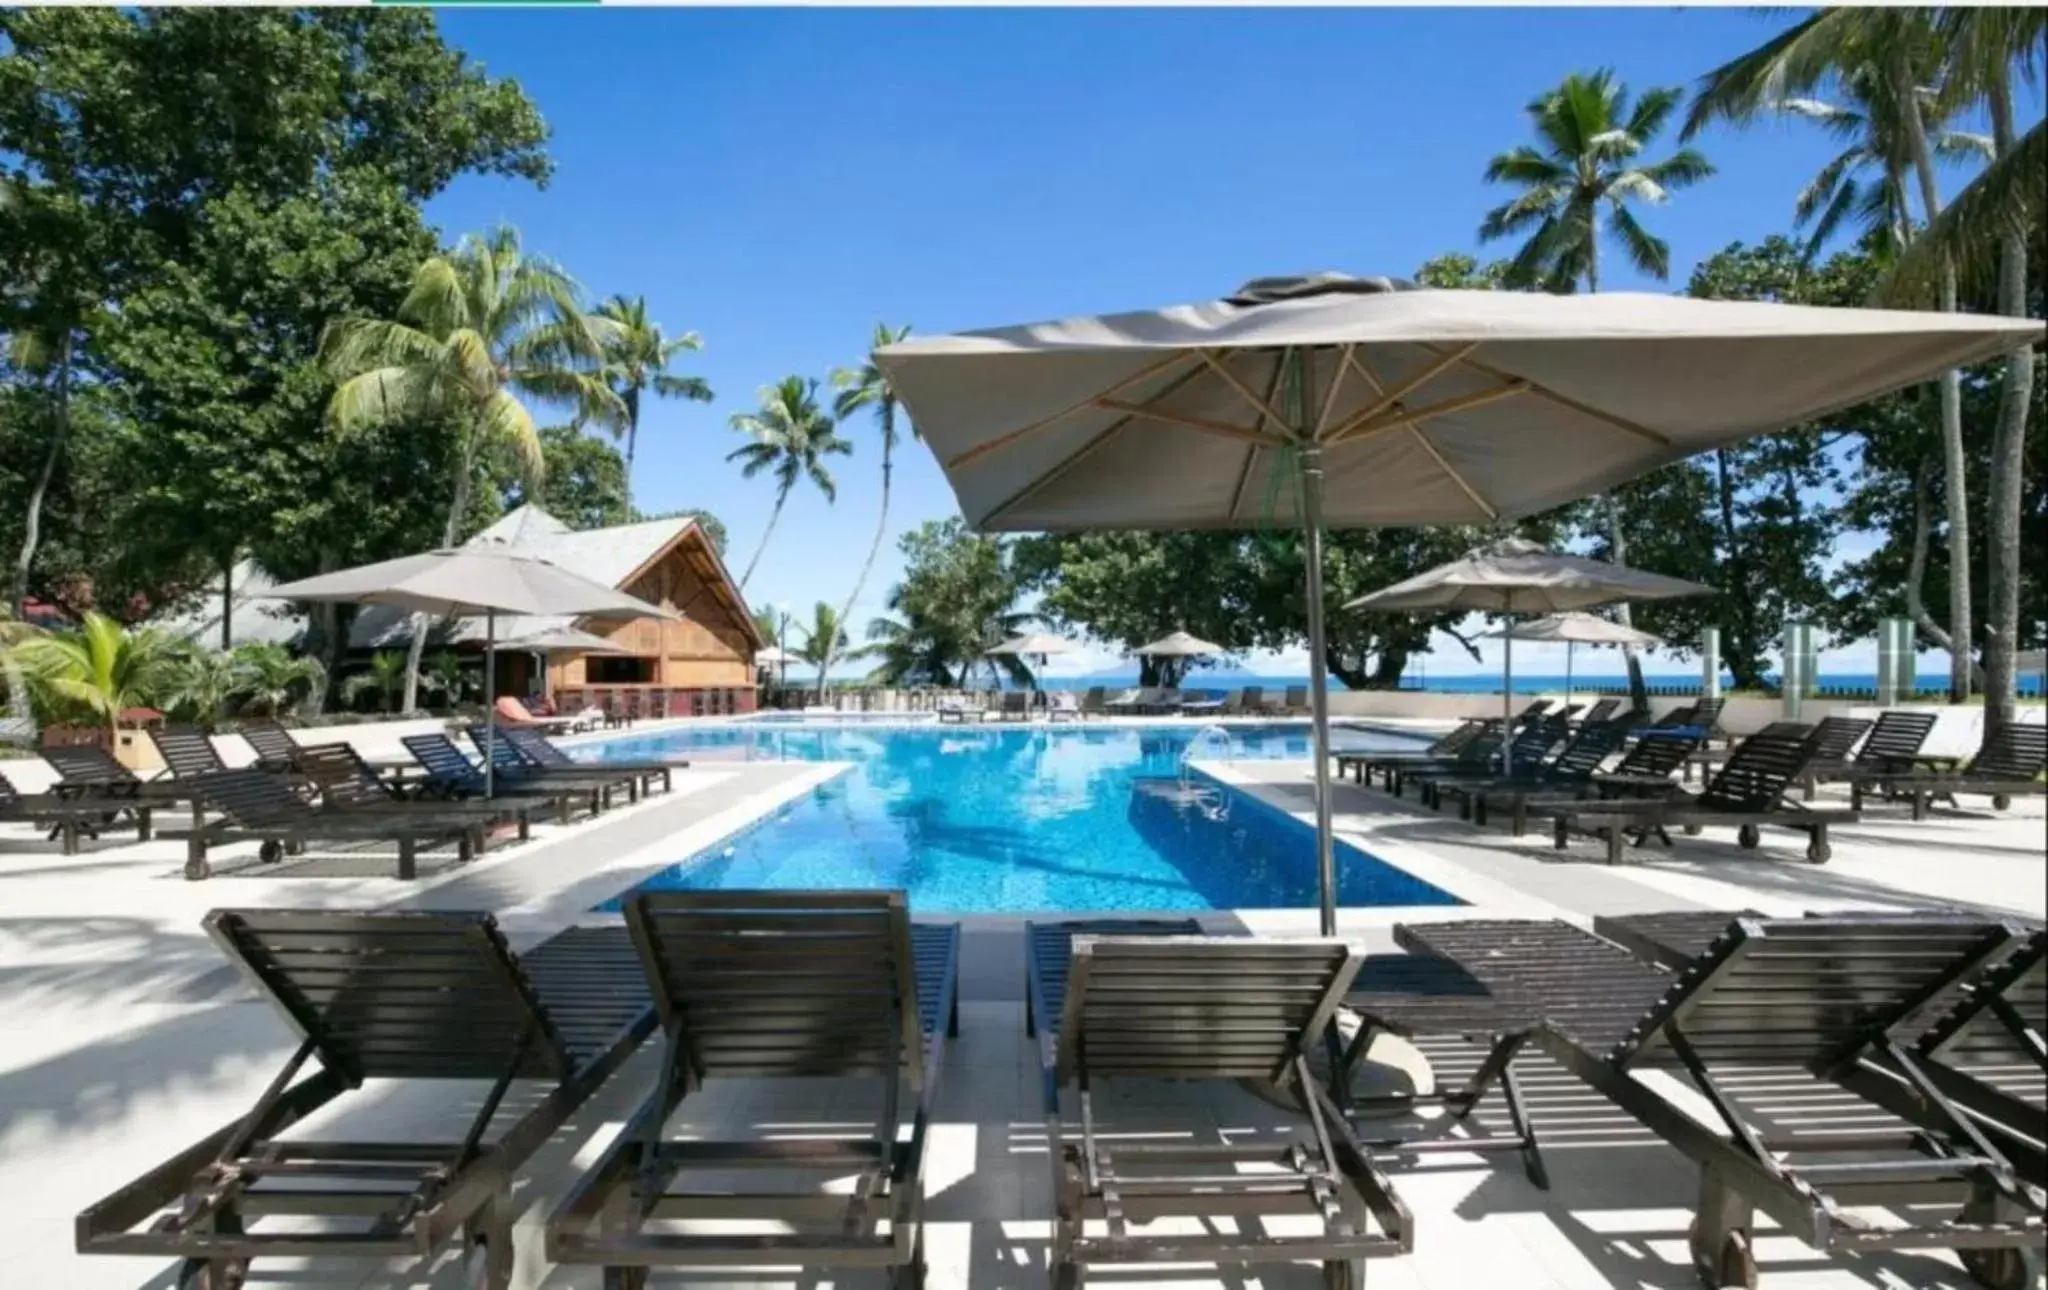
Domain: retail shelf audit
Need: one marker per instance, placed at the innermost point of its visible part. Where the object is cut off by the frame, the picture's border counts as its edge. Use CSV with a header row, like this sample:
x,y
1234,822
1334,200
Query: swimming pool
x,y
1019,819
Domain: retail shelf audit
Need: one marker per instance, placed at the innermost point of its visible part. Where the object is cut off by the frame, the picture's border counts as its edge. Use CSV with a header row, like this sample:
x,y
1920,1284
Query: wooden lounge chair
x,y
89,772
512,768
1891,748
1092,701
1296,703
1604,710
1524,758
273,744
448,775
1571,770
1016,706
542,752
1062,705
188,751
386,996
1361,765
68,818
766,986
1644,771
258,807
1206,1008
2008,764
345,782
1821,997
1202,703
1748,791
1126,702
1252,699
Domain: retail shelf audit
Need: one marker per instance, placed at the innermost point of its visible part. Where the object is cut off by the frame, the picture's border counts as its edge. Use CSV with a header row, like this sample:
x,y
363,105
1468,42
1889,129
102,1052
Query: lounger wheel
x,y
2000,801
1343,1275
1818,851
1693,831
271,851
1732,1265
2004,1269
1747,836
625,1279
214,1274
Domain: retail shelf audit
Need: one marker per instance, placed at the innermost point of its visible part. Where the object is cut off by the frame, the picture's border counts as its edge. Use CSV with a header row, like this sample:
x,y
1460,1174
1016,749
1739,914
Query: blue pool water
x,y
1004,820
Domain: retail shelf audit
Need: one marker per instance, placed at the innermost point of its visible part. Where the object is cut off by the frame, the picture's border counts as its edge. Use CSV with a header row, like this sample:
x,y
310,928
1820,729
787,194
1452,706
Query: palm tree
x,y
44,350
792,436
1588,165
481,328
824,640
384,678
1890,57
636,358
860,389
202,684
102,667
273,679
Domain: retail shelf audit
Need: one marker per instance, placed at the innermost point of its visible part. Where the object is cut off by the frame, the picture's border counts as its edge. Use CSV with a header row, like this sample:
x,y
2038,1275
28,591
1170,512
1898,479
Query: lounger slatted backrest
x,y
88,764
1676,717
2015,754
1707,713
1600,712
1835,737
341,776
1757,772
1533,742
1979,1029
1813,992
1198,1007
504,757
774,984
1254,697
251,797
1592,745
1656,754
1897,737
398,995
442,759
188,751
534,746
272,742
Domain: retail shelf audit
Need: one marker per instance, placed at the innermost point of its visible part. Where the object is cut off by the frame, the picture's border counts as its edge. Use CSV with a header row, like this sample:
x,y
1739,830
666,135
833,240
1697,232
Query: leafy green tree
x,y
201,685
102,668
480,329
1886,58
790,435
446,677
959,597
866,389
636,357
1588,165
584,484
384,679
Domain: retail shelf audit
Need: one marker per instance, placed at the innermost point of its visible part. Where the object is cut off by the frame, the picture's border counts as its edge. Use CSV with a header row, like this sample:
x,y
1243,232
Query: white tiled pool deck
x,y
123,1037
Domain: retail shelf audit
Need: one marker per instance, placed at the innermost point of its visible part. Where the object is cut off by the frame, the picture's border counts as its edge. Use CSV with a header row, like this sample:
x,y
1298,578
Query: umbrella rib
x,y
1188,422
1330,398
1251,454
1009,437
1264,408
1356,362
1486,508
1565,401
1414,416
1394,396
1074,458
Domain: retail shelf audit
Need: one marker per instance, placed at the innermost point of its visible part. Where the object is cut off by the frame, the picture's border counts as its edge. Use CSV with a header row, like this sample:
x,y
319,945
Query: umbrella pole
x,y
1569,646
1507,697
1311,467
490,702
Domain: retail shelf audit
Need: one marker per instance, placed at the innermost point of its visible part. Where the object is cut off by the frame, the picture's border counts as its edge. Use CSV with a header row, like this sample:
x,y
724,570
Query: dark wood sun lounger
x,y
273,744
1207,1008
775,985
544,752
1644,771
403,996
1891,748
1985,1051
1527,752
1820,996
2008,764
512,767
1748,792
1583,753
1389,762
260,807
346,782
67,818
89,772
449,774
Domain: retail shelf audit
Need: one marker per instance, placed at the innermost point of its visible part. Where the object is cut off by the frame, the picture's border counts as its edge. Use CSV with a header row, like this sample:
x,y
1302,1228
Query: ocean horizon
x,y
1484,683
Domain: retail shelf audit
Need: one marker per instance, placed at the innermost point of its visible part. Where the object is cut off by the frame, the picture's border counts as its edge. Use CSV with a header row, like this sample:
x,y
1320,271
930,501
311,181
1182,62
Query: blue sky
x,y
780,181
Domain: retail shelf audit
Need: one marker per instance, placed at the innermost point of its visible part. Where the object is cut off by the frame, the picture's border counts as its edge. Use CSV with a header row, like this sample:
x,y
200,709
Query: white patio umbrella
x,y
1041,645
465,581
776,657
1334,401
1576,629
1514,576
1179,645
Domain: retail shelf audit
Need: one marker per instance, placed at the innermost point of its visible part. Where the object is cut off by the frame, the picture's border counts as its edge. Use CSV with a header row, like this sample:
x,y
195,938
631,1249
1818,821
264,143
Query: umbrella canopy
x,y
474,580
1579,629
1179,645
1515,576
1035,643
1357,401
563,640
774,655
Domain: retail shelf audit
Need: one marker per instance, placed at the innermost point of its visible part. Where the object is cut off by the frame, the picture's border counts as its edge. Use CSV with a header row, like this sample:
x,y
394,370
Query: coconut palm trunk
x,y
32,522
874,544
781,496
1953,463
631,398
2008,449
451,531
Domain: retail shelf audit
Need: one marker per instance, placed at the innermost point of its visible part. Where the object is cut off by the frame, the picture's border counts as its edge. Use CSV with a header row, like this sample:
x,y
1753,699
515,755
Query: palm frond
x,y
2004,200
1788,64
386,396
352,345
694,388
437,302
1650,255
504,422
